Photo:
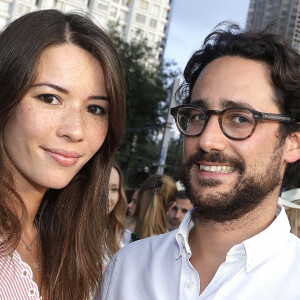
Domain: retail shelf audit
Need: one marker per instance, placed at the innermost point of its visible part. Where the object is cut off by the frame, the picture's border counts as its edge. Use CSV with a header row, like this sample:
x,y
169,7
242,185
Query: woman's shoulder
x,y
16,277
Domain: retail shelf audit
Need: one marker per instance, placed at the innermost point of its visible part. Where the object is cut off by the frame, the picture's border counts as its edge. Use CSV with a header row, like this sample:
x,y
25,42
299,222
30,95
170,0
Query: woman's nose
x,y
71,123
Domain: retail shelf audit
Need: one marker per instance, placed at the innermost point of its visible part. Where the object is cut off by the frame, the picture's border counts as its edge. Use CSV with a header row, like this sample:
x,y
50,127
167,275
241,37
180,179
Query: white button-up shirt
x,y
264,267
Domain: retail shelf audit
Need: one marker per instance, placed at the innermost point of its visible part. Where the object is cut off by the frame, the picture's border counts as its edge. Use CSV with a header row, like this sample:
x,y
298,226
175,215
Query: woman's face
x,y
61,122
132,204
114,187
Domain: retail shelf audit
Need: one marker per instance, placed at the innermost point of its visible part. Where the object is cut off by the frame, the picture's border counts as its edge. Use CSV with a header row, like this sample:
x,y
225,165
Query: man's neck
x,y
210,241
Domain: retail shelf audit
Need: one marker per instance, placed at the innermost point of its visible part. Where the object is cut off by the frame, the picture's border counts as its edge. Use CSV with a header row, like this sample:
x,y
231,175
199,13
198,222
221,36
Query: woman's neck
x,y
130,223
32,199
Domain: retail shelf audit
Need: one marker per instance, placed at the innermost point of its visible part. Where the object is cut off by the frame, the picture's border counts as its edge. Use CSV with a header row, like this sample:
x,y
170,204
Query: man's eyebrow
x,y
226,103
200,102
62,90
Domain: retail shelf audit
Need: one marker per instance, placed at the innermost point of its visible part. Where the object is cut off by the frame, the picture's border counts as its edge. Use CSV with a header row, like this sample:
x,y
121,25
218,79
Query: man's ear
x,y
293,148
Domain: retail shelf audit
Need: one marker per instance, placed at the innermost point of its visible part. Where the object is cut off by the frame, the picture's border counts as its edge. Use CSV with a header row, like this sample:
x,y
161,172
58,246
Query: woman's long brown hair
x,y
72,222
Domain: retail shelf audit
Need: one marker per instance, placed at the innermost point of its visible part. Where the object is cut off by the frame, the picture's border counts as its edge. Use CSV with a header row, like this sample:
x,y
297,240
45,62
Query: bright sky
x,y
193,20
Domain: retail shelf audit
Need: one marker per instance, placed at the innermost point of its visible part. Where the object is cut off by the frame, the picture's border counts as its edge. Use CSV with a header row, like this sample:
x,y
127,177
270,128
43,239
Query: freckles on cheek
x,y
35,122
26,119
97,138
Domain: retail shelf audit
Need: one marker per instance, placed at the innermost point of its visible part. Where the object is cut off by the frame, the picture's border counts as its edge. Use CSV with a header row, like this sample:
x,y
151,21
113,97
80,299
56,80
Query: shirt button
x,y
31,292
24,273
190,284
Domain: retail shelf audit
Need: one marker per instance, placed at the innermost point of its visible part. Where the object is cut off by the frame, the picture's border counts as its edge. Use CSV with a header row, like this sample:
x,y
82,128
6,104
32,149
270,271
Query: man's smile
x,y
217,168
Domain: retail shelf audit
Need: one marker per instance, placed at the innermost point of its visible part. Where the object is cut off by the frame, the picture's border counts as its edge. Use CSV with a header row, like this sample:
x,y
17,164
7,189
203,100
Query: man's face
x,y
254,166
178,211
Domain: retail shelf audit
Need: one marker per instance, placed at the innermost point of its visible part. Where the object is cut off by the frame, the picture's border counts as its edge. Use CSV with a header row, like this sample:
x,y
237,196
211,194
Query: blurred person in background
x,y
155,197
179,210
131,207
291,201
130,219
117,208
128,194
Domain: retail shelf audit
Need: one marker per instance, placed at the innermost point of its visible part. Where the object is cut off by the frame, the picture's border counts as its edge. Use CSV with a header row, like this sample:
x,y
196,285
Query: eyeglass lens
x,y
235,123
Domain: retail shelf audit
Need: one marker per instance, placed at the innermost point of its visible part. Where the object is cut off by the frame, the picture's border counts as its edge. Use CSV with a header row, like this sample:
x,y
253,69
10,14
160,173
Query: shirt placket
x,y
231,267
189,279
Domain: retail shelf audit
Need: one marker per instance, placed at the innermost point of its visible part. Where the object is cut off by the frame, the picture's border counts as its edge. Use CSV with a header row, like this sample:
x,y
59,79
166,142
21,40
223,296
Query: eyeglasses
x,y
235,123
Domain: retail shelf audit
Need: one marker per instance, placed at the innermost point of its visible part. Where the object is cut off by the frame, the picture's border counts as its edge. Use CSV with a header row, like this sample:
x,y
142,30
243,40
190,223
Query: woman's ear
x,y
293,148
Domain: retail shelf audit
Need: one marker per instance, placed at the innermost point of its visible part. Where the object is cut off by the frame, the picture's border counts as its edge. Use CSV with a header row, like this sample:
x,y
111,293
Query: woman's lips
x,y
62,157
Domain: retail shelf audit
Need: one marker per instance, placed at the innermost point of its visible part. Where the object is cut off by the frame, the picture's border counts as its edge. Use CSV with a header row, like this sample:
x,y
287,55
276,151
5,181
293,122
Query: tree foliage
x,y
147,83
174,157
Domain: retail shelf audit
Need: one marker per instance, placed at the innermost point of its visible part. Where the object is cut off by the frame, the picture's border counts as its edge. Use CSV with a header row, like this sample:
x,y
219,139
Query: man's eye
x,y
95,110
49,99
240,119
197,117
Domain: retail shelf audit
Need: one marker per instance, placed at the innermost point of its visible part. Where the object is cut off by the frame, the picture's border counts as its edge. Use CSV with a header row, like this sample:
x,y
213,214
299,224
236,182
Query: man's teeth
x,y
217,169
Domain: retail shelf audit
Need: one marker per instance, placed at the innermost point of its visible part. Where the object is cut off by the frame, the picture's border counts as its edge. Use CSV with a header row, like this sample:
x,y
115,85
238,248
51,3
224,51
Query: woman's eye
x,y
49,99
95,110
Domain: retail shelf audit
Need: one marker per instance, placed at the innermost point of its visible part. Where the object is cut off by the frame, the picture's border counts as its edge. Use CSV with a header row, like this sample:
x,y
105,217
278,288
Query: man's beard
x,y
248,193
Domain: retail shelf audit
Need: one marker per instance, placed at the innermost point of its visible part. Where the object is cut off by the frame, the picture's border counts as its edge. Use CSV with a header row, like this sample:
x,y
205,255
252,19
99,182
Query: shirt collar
x,y
182,234
257,248
261,246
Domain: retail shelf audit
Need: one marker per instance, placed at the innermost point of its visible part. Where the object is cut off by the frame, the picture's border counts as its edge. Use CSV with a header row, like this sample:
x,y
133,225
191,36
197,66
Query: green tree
x,y
147,106
174,157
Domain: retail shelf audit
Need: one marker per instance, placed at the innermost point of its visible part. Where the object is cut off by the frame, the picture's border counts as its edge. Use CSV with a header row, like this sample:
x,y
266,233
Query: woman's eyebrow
x,y
99,98
54,86
62,90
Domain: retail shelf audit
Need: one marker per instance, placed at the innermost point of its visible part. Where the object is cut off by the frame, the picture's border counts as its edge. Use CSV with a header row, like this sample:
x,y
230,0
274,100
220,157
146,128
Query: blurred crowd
x,y
156,207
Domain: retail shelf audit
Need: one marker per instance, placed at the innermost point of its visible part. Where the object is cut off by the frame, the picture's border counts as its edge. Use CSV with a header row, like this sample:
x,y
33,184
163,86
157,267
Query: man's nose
x,y
177,215
212,137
